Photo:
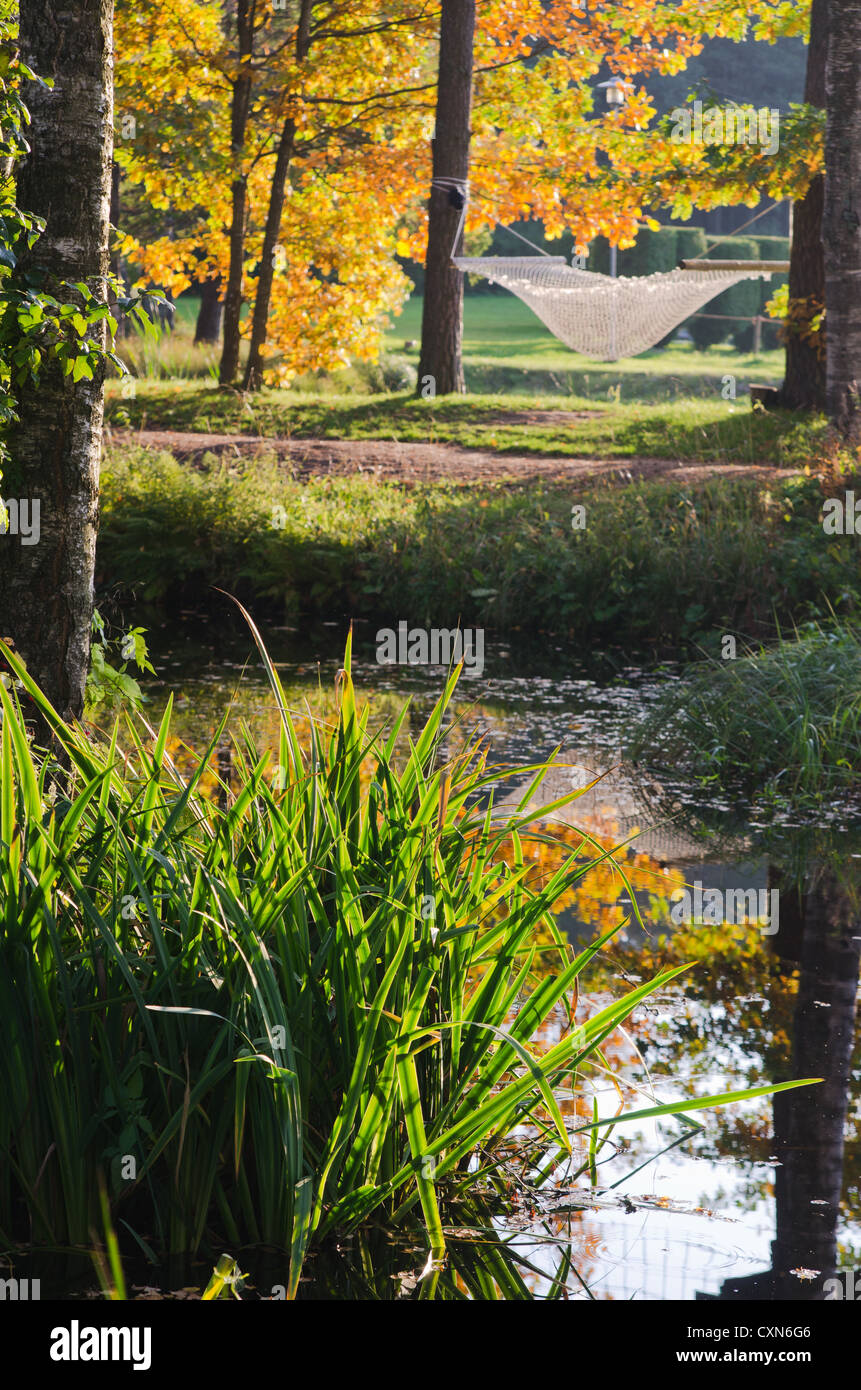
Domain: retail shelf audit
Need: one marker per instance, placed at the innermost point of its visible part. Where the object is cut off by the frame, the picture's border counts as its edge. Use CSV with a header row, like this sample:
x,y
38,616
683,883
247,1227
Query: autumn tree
x,y
47,583
241,84
323,165
182,146
339,95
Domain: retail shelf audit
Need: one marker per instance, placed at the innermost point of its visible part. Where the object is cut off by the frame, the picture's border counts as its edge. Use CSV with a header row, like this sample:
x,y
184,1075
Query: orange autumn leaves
x,y
336,277
363,104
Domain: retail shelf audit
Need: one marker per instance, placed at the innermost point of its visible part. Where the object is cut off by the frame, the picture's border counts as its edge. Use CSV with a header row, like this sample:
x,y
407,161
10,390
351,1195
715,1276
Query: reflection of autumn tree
x,y
595,898
809,1129
199,707
732,1011
198,711
810,1132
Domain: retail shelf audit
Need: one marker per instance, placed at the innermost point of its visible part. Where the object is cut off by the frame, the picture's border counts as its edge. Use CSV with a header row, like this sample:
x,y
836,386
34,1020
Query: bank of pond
x,y
646,566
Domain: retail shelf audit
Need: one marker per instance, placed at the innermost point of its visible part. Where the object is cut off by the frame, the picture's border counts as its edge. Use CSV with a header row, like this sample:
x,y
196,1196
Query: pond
x,y
761,1202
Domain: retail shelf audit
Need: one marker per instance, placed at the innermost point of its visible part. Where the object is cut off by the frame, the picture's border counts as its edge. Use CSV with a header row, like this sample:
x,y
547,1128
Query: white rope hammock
x,y
601,316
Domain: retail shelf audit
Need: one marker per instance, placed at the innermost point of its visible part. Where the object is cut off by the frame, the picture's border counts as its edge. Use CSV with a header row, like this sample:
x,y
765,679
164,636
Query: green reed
x,y
271,1017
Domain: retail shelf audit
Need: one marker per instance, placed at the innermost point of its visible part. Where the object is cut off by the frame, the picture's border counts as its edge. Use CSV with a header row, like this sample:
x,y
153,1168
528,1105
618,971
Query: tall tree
x,y
442,310
804,379
263,298
47,587
239,112
275,211
841,222
356,189
289,204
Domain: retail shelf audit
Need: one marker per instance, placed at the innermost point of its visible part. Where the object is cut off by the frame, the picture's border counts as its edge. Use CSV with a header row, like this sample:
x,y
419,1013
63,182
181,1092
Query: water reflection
x,y
822,936
762,1202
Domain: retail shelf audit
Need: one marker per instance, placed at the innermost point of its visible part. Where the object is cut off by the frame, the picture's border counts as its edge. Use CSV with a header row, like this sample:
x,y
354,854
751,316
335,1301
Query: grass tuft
x,y
783,720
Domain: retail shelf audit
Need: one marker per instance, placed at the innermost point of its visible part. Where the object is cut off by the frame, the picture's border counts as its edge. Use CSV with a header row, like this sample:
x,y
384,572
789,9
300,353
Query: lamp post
x,y
614,91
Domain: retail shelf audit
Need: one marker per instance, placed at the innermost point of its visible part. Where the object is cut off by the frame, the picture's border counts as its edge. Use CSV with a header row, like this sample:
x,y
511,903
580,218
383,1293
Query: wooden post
x,y
780,267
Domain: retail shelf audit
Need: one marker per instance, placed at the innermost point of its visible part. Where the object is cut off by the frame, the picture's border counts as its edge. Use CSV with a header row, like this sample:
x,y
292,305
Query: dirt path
x,y
429,463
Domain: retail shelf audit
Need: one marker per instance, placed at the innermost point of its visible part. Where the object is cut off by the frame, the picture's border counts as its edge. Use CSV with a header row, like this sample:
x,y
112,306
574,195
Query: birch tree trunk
x,y
841,224
46,584
442,311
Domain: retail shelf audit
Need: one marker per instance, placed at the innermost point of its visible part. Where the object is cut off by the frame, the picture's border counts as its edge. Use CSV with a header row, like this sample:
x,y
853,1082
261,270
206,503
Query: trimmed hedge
x,y
742,299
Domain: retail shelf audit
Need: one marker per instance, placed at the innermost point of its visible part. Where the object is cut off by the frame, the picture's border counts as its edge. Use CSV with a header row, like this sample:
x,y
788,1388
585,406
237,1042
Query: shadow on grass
x,y
694,430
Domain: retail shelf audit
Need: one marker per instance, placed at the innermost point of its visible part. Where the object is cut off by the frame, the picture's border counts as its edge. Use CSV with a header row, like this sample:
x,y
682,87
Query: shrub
x,y
783,719
505,557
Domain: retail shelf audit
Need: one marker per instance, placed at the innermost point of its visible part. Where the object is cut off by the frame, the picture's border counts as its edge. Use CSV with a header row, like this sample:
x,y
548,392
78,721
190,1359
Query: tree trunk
x,y
442,313
841,223
811,1122
116,260
804,381
254,366
211,312
47,583
240,105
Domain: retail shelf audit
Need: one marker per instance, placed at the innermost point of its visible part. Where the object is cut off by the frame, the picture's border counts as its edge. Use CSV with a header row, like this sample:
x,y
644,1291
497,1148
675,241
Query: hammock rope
x,y
603,317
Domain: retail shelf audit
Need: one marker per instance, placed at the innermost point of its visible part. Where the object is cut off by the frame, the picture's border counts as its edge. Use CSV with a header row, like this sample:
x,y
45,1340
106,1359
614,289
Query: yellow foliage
x,y
362,106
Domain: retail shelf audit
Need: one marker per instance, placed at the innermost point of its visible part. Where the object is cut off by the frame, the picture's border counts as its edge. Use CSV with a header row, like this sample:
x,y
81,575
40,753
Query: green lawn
x,y
695,429
506,348
667,403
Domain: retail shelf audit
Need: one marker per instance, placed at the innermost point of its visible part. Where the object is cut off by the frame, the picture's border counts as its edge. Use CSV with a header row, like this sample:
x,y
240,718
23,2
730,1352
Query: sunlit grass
x,y
694,430
782,719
